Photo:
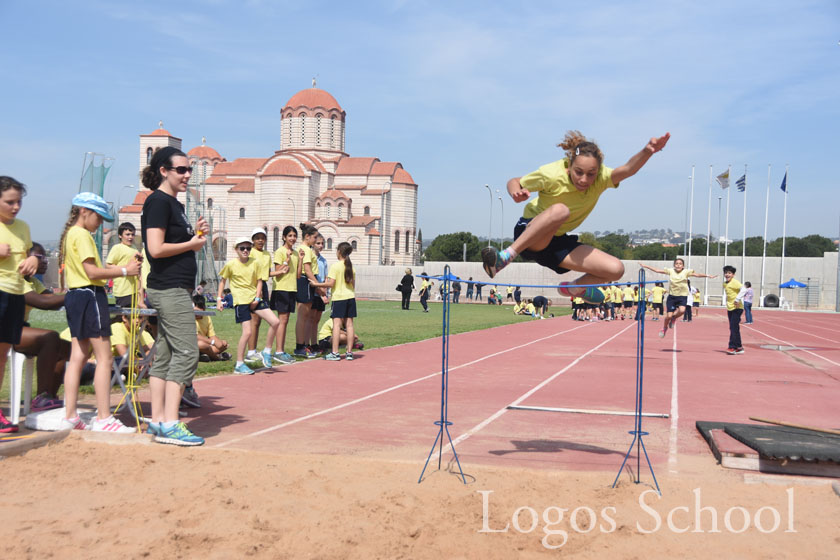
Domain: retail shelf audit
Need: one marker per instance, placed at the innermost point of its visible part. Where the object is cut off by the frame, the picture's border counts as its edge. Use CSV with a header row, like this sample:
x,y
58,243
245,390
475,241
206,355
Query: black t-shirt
x,y
162,211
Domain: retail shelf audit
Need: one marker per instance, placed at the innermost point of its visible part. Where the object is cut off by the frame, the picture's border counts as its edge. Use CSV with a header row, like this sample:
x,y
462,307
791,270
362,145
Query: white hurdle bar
x,y
587,411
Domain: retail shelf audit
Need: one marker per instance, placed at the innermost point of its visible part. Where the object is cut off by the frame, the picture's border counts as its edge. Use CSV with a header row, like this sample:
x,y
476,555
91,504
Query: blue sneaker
x,y
266,359
179,434
243,369
284,358
332,357
492,260
591,295
154,429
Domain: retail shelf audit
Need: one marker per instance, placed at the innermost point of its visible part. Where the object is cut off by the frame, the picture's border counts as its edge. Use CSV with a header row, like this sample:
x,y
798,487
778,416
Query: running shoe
x,y
72,424
284,358
590,295
332,357
225,356
731,351
266,359
153,429
493,261
179,434
359,345
7,427
301,352
243,369
203,358
739,350
45,402
190,397
110,424
349,356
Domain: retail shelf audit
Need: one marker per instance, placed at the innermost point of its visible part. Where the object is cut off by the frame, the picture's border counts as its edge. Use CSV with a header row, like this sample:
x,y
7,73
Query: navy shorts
x,y
12,308
628,304
344,309
242,312
696,304
675,301
317,303
304,290
658,307
87,312
556,251
265,295
283,302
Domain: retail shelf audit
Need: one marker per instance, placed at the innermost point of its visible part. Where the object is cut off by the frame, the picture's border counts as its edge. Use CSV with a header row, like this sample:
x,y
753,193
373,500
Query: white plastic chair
x,y
18,365
785,303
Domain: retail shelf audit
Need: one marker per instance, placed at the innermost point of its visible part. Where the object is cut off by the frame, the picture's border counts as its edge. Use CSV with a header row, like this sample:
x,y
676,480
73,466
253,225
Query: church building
x,y
369,203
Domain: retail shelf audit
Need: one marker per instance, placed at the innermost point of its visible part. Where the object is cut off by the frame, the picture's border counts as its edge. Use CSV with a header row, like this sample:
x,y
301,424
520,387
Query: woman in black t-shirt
x,y
171,244
407,286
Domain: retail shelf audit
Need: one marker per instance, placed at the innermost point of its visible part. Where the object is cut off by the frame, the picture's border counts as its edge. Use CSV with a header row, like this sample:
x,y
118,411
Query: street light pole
x,y
502,232
720,198
490,226
119,196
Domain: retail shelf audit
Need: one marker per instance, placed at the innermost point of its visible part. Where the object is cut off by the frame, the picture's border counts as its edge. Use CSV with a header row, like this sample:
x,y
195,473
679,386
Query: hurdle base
x,y
443,427
639,442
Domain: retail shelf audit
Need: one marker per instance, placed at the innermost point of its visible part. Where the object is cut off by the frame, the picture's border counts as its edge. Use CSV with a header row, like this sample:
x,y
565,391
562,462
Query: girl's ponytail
x,y
344,249
74,217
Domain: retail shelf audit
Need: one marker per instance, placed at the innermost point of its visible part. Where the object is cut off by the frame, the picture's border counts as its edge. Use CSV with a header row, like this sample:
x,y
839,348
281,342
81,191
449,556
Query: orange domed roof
x,y
204,152
159,132
313,97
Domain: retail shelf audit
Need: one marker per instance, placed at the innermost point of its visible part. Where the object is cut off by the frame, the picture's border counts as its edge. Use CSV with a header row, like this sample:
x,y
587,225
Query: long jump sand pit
x,y
82,498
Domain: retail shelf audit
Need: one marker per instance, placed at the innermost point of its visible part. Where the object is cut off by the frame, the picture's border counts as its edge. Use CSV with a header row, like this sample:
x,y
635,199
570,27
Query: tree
x,y
616,245
655,252
450,247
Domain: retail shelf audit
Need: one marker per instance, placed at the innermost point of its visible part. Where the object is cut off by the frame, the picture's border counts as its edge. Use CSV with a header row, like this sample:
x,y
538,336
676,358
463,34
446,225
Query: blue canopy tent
x,y
793,284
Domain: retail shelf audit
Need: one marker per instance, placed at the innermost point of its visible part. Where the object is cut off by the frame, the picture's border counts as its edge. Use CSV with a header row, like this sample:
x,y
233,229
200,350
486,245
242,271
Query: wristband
x,y
212,342
124,271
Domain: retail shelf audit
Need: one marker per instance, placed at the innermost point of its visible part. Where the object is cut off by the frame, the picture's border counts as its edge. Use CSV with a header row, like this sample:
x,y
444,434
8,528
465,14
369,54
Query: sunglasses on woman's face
x,y
181,169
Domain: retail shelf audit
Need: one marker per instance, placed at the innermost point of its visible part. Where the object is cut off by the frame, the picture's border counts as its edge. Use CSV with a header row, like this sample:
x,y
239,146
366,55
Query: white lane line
x,y
675,413
786,343
800,331
481,425
388,390
811,323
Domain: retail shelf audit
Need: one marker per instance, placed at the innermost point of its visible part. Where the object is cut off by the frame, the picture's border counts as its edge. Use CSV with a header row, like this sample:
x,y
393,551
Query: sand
x,y
85,498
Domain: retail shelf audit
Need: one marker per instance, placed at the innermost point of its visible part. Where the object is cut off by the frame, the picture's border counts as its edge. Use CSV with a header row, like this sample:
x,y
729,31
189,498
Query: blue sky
x,y
462,93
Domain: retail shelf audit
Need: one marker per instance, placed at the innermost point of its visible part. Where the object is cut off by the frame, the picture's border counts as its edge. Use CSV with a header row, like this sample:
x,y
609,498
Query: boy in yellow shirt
x,y
734,308
120,255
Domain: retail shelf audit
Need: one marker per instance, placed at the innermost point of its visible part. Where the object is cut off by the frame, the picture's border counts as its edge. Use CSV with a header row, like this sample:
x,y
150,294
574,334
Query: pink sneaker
x,y
72,424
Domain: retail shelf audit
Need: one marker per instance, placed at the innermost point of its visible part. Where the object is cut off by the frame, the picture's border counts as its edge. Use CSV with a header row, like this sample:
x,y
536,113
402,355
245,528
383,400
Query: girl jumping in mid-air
x,y
568,191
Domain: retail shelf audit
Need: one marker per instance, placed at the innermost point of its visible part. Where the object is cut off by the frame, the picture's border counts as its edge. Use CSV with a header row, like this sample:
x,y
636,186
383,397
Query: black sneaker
x,y
190,397
225,356
203,358
493,263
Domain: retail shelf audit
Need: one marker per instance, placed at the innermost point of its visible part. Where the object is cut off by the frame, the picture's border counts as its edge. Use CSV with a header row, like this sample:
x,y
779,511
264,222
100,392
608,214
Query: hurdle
x,y
638,412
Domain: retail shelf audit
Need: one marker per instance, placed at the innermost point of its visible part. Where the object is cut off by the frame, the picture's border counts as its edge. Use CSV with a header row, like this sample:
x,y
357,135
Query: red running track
x,y
384,403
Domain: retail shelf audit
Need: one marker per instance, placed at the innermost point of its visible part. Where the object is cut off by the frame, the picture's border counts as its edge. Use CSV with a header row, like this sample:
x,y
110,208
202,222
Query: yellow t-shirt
x,y
120,255
263,259
79,247
341,290
65,335
242,280
636,296
204,326
678,281
286,282
554,186
33,285
518,307
530,309
326,329
697,296
426,285
732,288
607,293
629,294
16,235
616,294
578,300
310,257
120,335
145,269
658,294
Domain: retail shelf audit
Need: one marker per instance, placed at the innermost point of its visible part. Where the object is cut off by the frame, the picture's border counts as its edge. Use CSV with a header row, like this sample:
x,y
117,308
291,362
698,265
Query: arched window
x,y
276,238
303,128
332,132
408,242
203,169
397,241
367,210
318,130
241,213
353,244
329,243
209,203
149,153
340,210
327,210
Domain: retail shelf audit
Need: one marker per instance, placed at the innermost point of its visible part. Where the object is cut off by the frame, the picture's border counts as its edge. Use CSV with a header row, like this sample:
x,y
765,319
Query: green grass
x,y
379,324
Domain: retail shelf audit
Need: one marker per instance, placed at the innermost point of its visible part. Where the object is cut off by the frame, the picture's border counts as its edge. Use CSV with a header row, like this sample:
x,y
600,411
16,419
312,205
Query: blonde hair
x,y
575,144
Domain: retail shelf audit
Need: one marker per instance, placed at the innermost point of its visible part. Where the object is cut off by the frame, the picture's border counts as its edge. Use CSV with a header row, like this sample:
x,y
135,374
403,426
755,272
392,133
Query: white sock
x,y
239,363
267,349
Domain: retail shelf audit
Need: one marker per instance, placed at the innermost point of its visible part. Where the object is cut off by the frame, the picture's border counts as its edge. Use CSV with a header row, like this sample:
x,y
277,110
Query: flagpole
x,y
708,240
691,217
784,233
726,235
744,247
764,245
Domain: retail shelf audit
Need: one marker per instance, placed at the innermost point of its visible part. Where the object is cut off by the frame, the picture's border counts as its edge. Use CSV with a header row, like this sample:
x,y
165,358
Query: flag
x,y
723,179
784,183
742,183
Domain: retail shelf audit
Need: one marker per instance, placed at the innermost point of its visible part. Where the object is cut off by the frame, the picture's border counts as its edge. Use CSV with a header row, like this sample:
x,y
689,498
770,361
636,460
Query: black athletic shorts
x,y
12,308
283,302
87,312
555,253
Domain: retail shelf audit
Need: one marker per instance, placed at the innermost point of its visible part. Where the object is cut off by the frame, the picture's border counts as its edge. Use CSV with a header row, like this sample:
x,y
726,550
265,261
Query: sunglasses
x,y
244,248
181,169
